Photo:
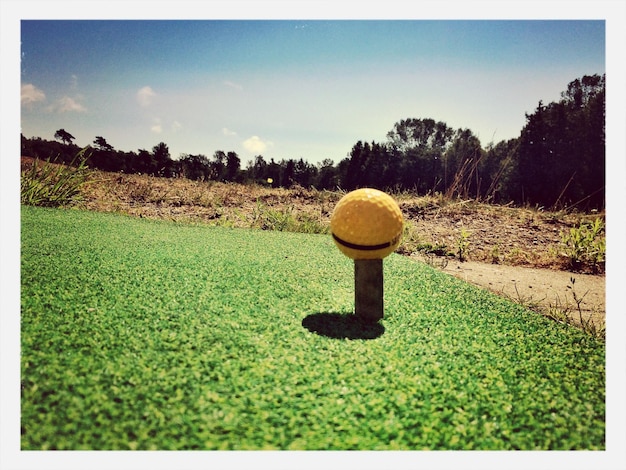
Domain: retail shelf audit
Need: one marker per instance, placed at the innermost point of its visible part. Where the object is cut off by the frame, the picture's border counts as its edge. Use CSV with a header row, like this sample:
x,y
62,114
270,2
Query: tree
x,y
195,167
257,169
164,164
501,165
581,91
288,175
233,164
418,147
420,133
273,173
218,166
462,165
562,148
144,162
304,173
102,144
381,167
64,136
327,175
355,168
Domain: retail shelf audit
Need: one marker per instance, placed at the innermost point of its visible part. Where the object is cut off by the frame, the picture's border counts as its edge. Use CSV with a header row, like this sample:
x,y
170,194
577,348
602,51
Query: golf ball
x,y
366,224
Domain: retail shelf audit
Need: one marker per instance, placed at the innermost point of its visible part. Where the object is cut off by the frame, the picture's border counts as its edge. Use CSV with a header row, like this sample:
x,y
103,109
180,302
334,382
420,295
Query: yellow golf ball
x,y
366,224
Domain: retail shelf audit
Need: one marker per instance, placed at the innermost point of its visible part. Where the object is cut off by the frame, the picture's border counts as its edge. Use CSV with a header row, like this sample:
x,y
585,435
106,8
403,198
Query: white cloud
x,y
145,95
255,145
157,128
234,85
31,94
227,132
67,105
74,81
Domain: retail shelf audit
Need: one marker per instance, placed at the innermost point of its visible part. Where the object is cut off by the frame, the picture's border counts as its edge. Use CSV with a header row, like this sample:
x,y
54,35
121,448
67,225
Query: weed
x,y
562,312
572,314
585,245
412,243
51,185
517,256
309,224
463,243
495,255
525,301
280,220
439,262
410,239
285,220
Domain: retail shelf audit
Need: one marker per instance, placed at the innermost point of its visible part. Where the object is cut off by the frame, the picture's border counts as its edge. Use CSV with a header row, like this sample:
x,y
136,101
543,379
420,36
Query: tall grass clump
x,y
286,220
52,185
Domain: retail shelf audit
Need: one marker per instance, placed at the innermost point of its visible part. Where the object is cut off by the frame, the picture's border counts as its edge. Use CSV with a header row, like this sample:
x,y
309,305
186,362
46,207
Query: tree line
x,y
557,161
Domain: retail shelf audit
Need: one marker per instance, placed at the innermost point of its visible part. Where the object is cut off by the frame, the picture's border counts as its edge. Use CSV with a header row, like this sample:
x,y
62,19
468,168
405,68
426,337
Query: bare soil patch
x,y
539,288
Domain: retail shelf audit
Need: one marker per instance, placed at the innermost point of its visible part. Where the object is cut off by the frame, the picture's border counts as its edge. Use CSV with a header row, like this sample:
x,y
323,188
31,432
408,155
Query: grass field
x,y
141,334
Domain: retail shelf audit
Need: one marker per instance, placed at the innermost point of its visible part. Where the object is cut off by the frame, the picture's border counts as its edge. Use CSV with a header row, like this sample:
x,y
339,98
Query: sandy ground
x,y
543,288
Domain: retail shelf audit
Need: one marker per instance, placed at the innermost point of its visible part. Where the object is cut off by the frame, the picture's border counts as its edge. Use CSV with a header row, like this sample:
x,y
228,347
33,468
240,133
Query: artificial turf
x,y
140,334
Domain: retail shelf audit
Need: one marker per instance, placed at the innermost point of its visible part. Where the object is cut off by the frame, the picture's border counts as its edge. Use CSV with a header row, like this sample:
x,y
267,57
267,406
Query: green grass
x,y
140,334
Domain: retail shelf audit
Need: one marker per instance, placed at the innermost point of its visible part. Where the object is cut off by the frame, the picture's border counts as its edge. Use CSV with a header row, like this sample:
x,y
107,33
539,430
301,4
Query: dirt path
x,y
535,287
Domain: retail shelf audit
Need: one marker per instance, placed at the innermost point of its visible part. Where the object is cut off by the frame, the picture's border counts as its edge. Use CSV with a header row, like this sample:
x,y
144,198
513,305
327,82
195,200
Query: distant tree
x,y
381,168
144,162
585,106
354,174
164,164
257,169
218,166
101,143
288,173
233,164
327,175
49,150
105,158
370,165
417,147
501,163
304,173
195,167
581,91
64,136
562,148
462,165
420,133
273,173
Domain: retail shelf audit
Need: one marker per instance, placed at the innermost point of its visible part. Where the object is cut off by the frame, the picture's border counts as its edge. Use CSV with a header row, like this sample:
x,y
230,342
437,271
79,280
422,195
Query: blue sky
x,y
292,89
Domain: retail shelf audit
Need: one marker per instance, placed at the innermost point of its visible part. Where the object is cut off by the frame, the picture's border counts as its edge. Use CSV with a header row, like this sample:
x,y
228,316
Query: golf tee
x,y
368,289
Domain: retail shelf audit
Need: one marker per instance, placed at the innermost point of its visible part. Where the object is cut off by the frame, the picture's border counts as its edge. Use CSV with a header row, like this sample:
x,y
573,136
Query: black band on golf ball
x,y
363,247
